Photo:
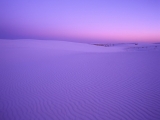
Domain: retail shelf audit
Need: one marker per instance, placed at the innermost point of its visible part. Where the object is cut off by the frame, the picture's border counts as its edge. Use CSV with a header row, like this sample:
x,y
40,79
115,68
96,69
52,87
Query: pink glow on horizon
x,y
124,36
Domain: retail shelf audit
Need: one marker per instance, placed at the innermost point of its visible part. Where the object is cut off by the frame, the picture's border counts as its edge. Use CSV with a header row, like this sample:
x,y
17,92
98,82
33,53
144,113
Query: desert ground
x,y
58,80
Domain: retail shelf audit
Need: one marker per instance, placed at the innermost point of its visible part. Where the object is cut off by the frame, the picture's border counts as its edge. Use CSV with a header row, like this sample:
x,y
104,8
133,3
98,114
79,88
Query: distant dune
x,y
57,80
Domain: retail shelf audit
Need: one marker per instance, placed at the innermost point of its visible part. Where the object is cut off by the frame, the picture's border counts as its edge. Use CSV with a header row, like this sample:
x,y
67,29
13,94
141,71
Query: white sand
x,y
51,80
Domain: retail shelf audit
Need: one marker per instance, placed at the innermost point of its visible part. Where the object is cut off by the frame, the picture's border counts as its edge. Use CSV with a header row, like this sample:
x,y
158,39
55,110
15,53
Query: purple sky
x,y
81,20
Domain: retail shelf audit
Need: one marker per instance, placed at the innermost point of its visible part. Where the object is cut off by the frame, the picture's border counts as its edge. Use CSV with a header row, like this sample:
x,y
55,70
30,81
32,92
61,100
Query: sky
x,y
81,20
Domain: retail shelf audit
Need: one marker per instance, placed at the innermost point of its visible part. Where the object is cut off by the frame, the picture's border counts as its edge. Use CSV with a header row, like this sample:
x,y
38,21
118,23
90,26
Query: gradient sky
x,y
81,20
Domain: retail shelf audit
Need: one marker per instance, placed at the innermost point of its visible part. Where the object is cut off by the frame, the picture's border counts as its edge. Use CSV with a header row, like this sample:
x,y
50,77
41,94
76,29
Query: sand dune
x,y
51,80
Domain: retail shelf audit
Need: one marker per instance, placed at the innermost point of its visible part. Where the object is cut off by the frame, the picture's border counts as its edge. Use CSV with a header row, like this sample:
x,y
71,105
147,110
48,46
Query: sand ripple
x,y
82,86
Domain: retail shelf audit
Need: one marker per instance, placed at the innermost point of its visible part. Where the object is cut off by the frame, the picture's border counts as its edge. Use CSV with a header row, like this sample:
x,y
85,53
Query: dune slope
x,y
39,82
